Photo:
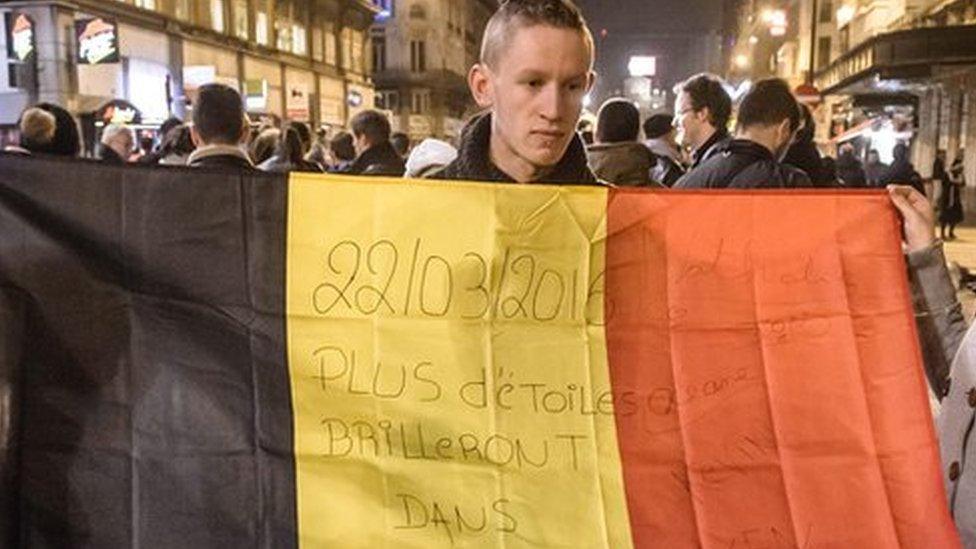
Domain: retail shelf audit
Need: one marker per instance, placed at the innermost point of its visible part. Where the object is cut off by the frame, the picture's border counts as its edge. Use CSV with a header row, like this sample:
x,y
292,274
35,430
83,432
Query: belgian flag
x,y
193,359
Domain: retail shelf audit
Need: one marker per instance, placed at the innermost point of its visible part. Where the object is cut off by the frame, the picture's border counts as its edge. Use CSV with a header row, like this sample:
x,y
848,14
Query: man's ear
x,y
480,82
591,79
195,137
245,132
785,131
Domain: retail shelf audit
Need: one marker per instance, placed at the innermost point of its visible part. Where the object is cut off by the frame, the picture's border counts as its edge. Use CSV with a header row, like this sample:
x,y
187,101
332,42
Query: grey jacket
x,y
949,351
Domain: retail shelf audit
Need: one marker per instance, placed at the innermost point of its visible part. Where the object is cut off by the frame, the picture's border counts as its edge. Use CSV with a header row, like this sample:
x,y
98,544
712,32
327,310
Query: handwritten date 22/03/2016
x,y
381,280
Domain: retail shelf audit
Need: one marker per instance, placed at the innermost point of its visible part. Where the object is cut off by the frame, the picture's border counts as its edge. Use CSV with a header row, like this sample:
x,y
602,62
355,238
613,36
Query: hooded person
x,y
428,157
769,118
535,68
661,138
616,156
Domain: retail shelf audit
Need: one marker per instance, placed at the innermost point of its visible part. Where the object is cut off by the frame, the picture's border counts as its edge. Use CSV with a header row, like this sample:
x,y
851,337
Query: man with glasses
x,y
769,119
703,109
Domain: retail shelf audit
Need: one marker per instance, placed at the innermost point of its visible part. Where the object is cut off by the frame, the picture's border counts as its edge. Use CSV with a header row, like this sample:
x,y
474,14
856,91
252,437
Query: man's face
x,y
535,90
693,126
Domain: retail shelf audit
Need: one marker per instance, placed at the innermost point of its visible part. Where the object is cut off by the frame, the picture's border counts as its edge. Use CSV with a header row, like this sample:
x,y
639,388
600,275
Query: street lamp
x,y
741,61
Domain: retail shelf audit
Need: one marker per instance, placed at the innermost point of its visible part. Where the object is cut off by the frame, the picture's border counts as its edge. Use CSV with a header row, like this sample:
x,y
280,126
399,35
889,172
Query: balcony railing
x,y
910,51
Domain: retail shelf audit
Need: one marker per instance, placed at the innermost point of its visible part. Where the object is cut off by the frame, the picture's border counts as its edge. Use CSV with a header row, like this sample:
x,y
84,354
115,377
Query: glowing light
x,y
742,61
845,14
642,65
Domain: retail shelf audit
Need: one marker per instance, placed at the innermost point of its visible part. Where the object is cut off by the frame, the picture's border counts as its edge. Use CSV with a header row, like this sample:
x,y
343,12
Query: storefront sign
x,y
98,41
297,105
119,111
256,95
22,37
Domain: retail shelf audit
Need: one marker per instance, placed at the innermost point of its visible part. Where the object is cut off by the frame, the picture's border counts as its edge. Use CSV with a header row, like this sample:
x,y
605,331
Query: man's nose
x,y
553,102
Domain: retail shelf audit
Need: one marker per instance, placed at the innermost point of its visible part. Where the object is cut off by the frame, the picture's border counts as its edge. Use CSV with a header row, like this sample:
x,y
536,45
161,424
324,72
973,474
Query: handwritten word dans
x,y
416,513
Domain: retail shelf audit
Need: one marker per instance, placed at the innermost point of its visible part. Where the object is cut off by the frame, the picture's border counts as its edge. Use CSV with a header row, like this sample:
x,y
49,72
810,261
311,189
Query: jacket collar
x,y
384,153
702,153
210,151
474,158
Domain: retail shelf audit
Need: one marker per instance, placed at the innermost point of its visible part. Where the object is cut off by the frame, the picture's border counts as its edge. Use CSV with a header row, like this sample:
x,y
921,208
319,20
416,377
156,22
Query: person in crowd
x,y
948,352
850,172
264,145
117,144
703,110
874,168
318,153
401,144
661,139
304,134
289,155
428,157
535,68
67,138
342,151
617,156
830,170
769,118
154,157
219,130
952,182
902,172
803,153
375,153
177,147
37,128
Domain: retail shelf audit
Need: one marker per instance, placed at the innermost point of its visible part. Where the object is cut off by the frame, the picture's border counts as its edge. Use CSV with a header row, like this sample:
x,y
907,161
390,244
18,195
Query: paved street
x,y
962,250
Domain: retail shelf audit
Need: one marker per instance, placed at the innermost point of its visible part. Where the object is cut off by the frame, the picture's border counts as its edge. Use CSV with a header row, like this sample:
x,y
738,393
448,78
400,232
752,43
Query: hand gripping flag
x,y
196,359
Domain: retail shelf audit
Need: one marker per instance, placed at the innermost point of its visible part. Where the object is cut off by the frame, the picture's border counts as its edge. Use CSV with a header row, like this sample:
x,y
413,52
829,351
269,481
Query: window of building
x,y
379,53
241,20
318,53
358,51
182,9
387,8
826,11
823,52
146,4
261,28
299,40
389,100
418,56
345,37
217,15
420,102
418,11
331,49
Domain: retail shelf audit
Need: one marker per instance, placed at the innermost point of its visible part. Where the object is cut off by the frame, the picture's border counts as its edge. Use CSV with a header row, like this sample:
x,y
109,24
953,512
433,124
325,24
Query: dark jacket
x,y
276,165
379,159
805,156
716,142
221,157
109,156
667,169
474,161
851,172
626,164
743,164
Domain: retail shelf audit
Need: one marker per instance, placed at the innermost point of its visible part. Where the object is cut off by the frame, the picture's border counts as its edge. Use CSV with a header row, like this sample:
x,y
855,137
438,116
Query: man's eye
x,y
534,83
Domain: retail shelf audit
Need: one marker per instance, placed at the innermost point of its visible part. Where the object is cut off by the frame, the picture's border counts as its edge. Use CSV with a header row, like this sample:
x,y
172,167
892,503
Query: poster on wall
x,y
298,104
98,41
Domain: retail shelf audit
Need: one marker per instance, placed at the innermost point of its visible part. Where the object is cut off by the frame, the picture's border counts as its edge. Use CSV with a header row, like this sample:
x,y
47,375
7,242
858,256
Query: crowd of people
x,y
536,67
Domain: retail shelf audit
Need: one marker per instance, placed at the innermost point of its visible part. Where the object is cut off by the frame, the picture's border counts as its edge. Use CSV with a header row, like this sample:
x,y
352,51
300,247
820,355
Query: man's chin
x,y
545,158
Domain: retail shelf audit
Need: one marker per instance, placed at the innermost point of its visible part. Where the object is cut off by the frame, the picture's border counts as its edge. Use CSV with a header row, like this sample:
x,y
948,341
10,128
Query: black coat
x,y
380,160
901,172
743,164
474,160
851,172
718,141
805,156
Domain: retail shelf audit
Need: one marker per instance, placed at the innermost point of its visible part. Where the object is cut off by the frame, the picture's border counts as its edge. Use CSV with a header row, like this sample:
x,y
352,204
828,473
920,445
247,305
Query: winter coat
x,y
668,168
743,164
380,160
474,160
627,164
805,156
276,165
221,157
950,198
718,141
949,353
850,172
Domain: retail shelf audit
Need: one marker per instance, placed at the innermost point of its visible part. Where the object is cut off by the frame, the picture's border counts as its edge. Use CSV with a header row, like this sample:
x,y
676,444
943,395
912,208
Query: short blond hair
x,y
514,15
37,128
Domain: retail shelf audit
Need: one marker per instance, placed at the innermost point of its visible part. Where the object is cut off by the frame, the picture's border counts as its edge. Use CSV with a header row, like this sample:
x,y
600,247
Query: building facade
x,y
305,60
422,51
